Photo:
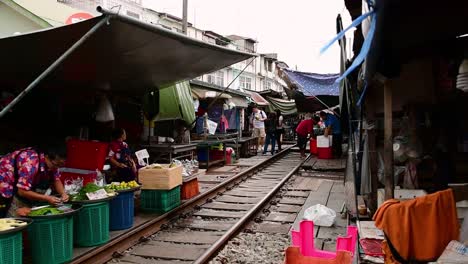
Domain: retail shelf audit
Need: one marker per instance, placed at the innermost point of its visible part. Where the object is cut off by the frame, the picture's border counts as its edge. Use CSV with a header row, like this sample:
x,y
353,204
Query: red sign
x,y
77,17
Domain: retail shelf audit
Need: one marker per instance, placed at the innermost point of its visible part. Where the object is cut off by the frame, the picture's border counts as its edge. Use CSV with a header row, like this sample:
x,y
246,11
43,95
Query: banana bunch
x,y
123,185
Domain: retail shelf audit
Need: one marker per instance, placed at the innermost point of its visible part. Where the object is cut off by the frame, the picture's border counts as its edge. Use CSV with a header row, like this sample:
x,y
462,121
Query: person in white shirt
x,y
257,120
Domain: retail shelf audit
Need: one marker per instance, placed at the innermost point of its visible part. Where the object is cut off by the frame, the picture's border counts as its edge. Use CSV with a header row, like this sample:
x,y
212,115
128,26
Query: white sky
x,y
295,29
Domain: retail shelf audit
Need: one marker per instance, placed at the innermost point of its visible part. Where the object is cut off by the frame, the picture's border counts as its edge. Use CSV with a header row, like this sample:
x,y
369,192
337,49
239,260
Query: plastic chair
x,y
304,239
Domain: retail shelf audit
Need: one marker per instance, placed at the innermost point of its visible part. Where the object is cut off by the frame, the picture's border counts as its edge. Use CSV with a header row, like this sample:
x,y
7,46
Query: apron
x,y
16,202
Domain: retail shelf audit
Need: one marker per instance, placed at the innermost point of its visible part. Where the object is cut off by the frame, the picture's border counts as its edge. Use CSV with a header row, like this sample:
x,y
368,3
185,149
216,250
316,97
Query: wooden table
x,y
168,151
205,146
247,146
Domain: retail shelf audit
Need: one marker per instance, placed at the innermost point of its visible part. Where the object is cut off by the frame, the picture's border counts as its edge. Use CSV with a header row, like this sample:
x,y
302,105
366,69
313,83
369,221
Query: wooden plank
x,y
272,228
139,260
211,178
165,250
320,196
237,200
288,208
244,193
281,217
297,193
254,190
338,188
227,206
293,201
305,184
194,237
206,225
219,214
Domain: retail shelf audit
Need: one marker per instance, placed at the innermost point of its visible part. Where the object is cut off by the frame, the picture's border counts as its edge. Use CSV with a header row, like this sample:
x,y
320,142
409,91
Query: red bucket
x,y
313,146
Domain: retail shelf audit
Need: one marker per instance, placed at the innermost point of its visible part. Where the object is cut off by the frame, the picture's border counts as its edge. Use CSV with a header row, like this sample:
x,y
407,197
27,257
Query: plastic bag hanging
x,y
104,112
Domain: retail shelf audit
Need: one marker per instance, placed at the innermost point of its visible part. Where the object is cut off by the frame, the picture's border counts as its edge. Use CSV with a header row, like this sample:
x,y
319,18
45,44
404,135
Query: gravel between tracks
x,y
253,248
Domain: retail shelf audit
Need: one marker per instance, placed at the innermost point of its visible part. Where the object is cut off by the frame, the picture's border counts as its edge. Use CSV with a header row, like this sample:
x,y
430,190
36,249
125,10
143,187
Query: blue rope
x,y
361,98
340,35
364,50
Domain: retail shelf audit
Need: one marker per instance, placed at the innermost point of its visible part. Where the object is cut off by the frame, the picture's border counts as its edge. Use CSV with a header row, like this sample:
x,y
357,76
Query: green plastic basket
x,y
160,201
11,248
51,240
92,225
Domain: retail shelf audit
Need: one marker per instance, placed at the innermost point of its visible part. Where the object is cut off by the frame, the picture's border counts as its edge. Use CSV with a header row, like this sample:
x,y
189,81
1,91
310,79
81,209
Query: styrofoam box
x,y
400,194
324,142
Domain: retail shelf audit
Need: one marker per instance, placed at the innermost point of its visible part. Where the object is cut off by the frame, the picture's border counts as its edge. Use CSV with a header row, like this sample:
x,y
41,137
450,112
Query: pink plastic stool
x,y
304,239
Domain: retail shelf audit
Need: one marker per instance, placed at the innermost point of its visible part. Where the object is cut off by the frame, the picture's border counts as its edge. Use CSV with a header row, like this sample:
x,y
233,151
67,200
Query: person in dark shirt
x,y
270,130
304,128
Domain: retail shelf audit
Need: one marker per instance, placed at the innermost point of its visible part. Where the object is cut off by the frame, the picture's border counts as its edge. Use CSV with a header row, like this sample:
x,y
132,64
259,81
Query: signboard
x,y
77,17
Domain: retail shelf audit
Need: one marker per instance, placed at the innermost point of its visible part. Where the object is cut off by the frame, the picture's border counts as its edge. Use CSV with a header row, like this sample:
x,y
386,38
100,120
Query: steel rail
x,y
228,235
128,239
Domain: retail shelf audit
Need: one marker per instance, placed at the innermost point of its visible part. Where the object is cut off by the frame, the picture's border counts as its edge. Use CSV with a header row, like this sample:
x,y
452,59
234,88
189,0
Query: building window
x,y
133,14
216,78
267,85
245,82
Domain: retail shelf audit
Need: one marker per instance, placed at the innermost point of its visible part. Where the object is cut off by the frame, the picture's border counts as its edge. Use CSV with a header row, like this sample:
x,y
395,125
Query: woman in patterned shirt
x,y
120,157
25,177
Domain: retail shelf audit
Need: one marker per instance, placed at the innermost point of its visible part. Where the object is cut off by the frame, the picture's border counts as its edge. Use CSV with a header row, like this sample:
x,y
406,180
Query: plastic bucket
x,y
121,211
51,240
91,225
11,248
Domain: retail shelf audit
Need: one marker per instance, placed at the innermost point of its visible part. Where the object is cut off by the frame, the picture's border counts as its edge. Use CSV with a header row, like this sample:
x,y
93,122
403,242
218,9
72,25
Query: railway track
x,y
199,228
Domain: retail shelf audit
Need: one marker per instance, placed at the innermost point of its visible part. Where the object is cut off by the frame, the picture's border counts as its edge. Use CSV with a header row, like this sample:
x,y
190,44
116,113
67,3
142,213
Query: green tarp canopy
x,y
286,107
175,103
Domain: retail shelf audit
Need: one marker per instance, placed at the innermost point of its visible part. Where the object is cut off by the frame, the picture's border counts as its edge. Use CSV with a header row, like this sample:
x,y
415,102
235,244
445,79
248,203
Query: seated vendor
x,y
120,157
27,177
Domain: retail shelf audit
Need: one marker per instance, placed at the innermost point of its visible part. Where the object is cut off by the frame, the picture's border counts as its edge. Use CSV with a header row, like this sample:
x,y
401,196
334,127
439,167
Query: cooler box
x,y
86,155
313,146
324,147
88,176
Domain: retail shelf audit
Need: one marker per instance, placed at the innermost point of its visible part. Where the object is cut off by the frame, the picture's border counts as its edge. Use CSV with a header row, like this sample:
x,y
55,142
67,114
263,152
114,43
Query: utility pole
x,y
184,16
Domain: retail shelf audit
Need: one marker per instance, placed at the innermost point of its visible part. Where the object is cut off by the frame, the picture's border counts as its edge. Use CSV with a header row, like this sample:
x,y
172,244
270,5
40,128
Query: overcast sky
x,y
295,29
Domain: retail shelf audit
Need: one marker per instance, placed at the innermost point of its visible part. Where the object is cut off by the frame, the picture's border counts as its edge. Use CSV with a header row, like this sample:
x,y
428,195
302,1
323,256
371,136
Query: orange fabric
x,y
421,228
294,256
389,259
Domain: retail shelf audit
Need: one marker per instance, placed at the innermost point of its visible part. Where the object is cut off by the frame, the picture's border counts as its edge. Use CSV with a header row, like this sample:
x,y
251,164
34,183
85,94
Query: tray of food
x,y
11,225
50,212
92,193
122,187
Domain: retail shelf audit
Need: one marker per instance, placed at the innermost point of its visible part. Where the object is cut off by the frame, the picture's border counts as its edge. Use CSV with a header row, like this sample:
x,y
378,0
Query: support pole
x,y
388,141
185,16
373,160
53,66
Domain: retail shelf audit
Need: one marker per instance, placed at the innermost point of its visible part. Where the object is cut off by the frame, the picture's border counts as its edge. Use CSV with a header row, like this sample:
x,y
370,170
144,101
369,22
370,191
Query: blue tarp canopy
x,y
314,84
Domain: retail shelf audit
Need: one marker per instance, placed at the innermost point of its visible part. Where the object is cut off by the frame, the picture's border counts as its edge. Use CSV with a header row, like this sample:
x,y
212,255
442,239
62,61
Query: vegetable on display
x,y
89,188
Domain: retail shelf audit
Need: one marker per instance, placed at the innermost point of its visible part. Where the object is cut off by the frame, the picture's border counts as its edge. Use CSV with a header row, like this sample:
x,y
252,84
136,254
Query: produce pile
x,y
115,186
89,188
45,211
7,224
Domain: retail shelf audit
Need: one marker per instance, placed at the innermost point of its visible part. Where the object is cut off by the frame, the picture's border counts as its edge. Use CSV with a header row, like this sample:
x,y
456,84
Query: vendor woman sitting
x,y
120,157
26,177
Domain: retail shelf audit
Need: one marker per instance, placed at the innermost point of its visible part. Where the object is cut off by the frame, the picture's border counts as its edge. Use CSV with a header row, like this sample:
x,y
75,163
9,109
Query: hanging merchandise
x,y
104,112
211,126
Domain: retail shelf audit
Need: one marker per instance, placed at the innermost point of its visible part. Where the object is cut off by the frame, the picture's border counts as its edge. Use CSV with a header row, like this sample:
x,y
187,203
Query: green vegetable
x,y
45,211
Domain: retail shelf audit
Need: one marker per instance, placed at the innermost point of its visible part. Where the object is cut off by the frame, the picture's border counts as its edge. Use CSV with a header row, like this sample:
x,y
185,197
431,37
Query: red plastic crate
x,y
313,146
189,189
86,155
324,153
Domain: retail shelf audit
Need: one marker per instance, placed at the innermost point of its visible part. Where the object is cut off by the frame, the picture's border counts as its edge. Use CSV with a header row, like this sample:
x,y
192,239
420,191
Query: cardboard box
x,y
160,179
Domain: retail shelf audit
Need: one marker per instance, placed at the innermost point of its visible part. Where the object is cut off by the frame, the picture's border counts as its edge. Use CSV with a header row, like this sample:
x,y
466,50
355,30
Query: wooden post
x,y
371,134
388,141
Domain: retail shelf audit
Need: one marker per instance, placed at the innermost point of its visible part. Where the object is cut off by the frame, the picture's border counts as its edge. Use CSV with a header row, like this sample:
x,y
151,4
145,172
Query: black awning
x,y
124,55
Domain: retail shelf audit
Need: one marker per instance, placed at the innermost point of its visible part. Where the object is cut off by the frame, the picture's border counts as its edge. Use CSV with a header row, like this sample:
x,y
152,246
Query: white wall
x,y
13,22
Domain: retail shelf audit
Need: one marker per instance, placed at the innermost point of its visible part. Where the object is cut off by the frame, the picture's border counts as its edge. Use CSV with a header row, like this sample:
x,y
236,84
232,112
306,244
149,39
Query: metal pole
x,y
184,16
388,141
53,66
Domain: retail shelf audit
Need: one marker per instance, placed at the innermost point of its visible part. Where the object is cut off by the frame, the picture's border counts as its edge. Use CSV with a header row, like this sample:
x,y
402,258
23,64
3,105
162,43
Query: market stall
x,y
97,60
